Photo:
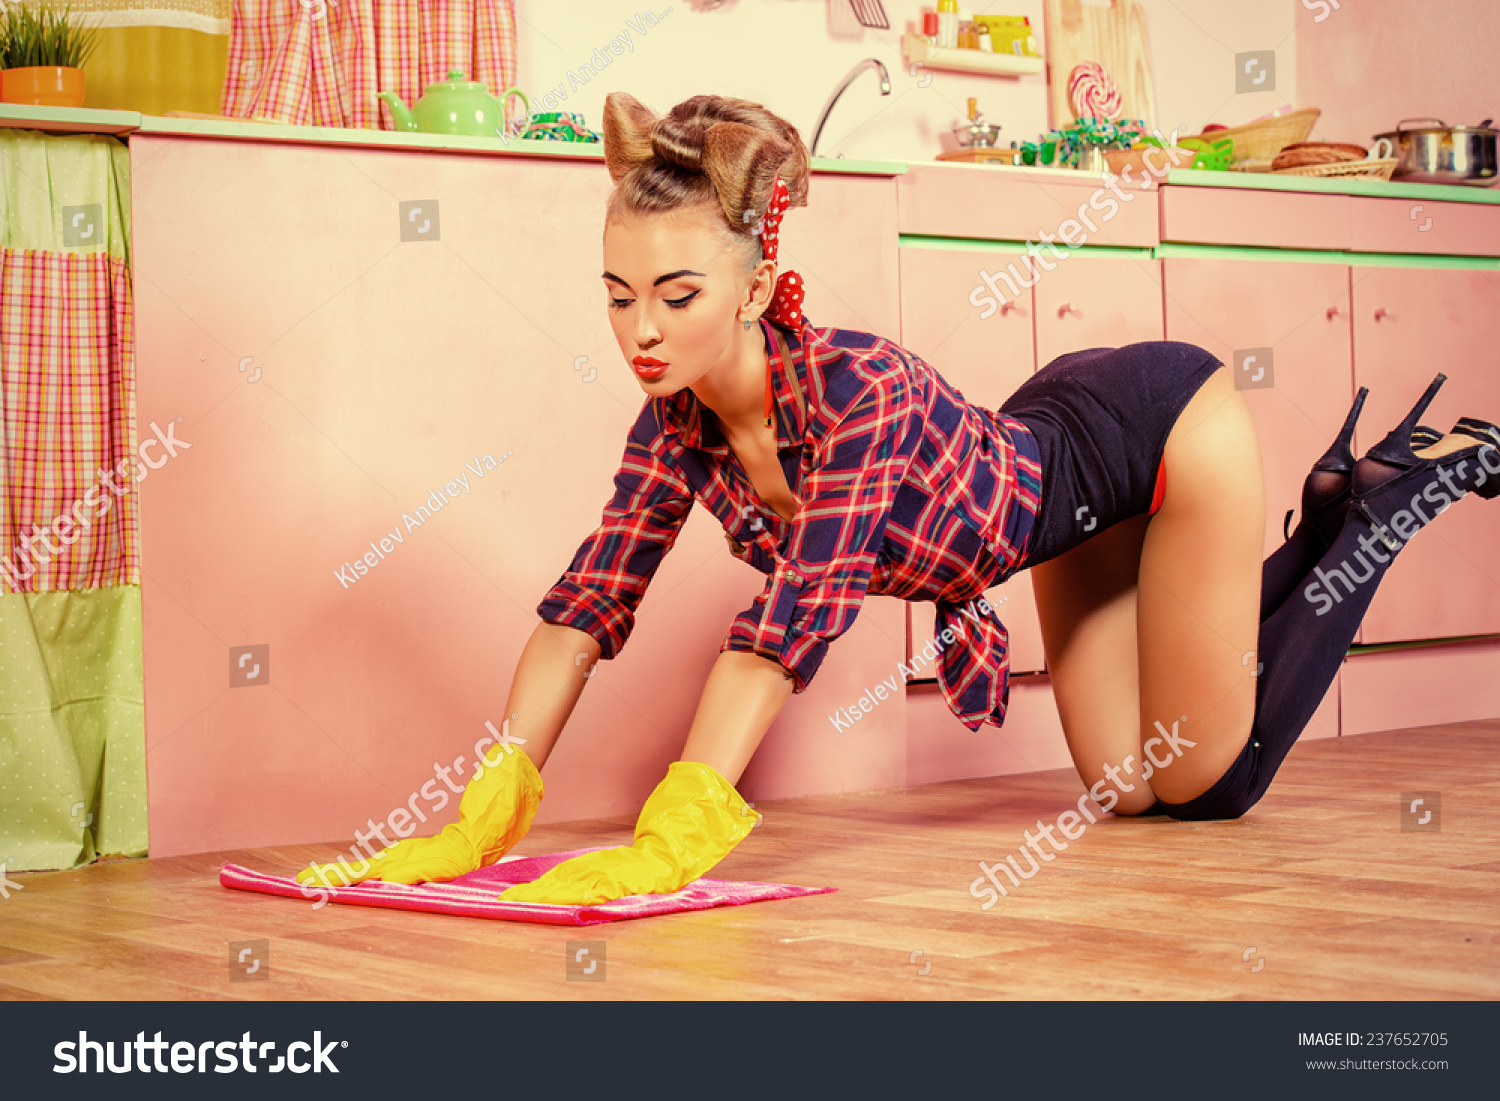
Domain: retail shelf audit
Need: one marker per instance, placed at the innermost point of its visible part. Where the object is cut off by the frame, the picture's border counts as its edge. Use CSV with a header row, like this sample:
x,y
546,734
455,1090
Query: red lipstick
x,y
648,368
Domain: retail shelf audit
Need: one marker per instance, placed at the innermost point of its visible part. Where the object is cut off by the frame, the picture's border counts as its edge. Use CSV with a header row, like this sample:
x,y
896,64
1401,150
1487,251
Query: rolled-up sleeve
x,y
602,588
816,588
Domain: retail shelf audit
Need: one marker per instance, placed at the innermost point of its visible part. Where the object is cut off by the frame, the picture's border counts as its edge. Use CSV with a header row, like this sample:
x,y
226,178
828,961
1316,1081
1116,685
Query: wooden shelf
x,y
917,50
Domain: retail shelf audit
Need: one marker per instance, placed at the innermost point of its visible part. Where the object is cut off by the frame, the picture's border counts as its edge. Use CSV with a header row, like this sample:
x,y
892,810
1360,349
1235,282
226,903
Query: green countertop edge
x,y
993,244
83,119
1382,189
22,116
1420,644
1170,250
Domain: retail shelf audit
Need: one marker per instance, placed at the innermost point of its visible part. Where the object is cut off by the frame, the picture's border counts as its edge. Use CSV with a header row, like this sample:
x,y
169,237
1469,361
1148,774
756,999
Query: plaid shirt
x,y
905,489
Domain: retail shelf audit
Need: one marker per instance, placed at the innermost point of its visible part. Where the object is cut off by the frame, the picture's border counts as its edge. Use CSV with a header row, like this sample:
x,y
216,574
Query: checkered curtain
x,y
321,62
72,719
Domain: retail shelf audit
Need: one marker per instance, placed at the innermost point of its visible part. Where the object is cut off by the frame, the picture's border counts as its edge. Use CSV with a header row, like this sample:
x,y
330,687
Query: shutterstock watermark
x,y
1071,823
69,525
399,820
873,697
1105,201
1355,571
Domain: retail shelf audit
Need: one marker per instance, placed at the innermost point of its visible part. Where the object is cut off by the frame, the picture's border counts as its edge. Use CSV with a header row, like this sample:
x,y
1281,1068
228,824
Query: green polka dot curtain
x,y
72,721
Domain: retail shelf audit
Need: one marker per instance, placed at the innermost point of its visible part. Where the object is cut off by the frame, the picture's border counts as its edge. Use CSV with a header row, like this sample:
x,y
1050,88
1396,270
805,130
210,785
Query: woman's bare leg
x,y
1156,618
1199,593
1086,599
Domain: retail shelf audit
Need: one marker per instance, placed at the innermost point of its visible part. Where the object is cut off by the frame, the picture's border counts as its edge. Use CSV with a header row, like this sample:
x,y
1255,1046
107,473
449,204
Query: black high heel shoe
x,y
1325,493
1327,497
1483,431
1391,487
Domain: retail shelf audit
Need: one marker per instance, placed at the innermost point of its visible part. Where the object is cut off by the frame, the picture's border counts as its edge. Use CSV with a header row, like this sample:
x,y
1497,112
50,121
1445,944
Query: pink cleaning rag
x,y
476,894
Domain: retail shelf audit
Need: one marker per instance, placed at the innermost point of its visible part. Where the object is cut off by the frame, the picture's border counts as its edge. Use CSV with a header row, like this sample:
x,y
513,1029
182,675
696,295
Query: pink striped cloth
x,y
476,894
320,62
67,392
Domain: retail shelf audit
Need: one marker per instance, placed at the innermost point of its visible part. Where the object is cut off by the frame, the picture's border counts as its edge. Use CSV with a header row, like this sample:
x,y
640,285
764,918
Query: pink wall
x,y
789,55
1374,62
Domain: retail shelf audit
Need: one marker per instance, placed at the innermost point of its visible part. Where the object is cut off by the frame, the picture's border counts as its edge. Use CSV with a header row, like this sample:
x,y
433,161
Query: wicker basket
x,y
1264,139
1374,170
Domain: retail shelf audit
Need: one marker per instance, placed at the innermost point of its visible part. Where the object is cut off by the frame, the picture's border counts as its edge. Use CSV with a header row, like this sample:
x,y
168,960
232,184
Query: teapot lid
x,y
456,83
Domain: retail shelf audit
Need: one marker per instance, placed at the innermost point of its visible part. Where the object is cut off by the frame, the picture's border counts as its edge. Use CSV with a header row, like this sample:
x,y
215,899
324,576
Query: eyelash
x,y
675,303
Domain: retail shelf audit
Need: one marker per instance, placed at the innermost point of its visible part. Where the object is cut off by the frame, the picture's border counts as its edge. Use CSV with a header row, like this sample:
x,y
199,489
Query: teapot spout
x,y
405,120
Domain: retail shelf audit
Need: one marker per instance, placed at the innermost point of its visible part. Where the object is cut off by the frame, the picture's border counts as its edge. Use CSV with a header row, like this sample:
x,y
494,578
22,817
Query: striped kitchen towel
x,y
476,894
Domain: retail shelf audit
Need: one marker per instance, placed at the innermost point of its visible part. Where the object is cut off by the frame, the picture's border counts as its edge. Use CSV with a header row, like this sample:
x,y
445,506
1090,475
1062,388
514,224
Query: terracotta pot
x,y
42,86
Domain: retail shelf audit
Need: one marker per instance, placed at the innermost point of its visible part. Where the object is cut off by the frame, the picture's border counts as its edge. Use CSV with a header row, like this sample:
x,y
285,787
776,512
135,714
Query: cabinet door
x,y
1096,301
1410,323
1300,311
986,358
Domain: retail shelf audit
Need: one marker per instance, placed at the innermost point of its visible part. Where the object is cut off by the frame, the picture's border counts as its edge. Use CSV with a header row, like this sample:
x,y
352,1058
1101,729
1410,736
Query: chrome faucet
x,y
867,63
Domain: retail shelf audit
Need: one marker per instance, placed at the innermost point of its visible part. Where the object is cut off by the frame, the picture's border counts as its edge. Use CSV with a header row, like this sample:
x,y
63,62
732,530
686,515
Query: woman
x,y
841,464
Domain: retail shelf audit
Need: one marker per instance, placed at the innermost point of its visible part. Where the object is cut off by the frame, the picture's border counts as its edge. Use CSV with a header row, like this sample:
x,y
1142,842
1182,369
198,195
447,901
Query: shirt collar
x,y
695,426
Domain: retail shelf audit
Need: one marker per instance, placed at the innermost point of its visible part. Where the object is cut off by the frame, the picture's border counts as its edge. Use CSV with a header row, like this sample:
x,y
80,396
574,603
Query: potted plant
x,y
42,54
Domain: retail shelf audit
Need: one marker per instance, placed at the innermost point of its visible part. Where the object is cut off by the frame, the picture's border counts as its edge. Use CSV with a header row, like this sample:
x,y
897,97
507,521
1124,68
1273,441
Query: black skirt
x,y
1101,418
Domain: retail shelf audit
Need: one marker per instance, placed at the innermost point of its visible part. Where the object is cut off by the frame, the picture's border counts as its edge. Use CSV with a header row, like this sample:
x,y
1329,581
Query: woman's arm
x,y
742,697
548,680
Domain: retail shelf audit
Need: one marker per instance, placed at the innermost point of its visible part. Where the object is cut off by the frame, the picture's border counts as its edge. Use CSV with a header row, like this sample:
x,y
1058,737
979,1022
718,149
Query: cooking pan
x,y
1443,154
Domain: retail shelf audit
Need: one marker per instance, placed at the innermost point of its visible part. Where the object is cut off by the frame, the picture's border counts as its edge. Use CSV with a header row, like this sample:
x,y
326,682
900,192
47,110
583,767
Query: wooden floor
x,y
1317,893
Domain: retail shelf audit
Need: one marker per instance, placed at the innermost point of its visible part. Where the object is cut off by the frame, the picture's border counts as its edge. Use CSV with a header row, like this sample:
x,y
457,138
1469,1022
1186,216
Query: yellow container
x,y
1010,34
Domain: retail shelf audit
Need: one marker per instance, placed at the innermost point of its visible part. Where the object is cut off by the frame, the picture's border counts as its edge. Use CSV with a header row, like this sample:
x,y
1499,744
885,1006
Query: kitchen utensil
x,y
977,132
870,13
1090,158
455,106
1382,149
1114,37
1444,154
1263,139
979,154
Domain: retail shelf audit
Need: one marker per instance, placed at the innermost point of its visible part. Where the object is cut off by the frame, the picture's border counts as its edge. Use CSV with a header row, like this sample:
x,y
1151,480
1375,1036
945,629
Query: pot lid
x,y
1483,128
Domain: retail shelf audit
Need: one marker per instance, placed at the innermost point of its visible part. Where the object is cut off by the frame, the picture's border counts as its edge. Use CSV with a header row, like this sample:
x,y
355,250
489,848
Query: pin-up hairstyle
x,y
708,149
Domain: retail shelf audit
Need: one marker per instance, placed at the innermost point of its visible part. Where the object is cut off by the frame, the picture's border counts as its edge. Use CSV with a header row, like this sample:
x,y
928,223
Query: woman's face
x,y
675,285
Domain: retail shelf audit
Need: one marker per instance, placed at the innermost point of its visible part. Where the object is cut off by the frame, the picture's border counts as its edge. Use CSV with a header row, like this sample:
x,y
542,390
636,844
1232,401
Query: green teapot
x,y
455,106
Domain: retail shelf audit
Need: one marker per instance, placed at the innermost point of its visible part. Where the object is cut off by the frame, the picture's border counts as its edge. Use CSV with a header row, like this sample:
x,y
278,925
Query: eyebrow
x,y
660,279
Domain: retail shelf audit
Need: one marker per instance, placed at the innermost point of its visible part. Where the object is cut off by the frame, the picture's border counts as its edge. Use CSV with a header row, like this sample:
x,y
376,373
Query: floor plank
x,y
1317,893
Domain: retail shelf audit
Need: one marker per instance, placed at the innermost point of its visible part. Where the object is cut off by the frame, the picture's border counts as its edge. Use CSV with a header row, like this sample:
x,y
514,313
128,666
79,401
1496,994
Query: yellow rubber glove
x,y
495,812
689,824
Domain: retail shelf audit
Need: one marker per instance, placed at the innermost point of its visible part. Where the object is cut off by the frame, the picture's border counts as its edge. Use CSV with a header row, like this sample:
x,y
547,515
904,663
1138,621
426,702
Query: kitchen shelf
x,y
917,50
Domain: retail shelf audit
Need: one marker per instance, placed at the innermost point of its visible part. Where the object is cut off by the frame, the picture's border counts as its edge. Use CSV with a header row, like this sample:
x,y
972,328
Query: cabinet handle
x,y
1065,308
1006,307
1332,312
1381,312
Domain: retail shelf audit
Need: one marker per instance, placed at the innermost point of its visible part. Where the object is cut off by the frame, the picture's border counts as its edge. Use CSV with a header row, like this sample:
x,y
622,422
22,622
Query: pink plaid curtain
x,y
320,62
67,377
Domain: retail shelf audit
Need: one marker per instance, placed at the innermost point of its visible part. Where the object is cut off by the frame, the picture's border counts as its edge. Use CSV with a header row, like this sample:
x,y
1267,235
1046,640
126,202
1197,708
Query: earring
x,y
747,322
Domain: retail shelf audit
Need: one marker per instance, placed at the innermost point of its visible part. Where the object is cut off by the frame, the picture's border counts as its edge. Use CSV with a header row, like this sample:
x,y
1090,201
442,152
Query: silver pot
x,y
1443,154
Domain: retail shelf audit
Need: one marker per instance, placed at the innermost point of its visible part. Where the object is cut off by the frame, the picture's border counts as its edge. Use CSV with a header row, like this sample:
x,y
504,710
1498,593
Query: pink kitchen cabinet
x,y
1097,300
986,358
1300,312
1409,324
